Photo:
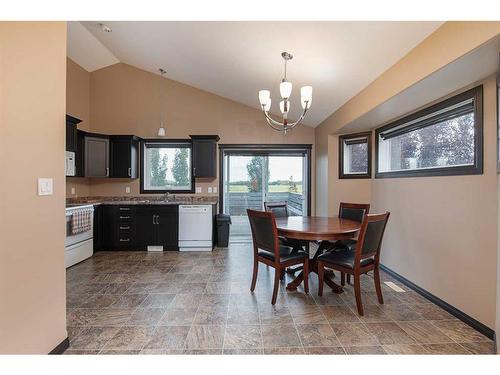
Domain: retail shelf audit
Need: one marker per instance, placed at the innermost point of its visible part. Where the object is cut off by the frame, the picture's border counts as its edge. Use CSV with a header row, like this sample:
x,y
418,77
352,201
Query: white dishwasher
x,y
195,227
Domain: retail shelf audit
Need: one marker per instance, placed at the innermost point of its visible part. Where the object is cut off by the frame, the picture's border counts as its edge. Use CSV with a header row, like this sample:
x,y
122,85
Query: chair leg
x,y
254,277
376,279
357,293
306,275
277,273
321,274
342,278
348,279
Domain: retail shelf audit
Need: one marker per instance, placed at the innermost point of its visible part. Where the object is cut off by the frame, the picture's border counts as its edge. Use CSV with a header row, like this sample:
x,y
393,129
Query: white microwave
x,y
70,163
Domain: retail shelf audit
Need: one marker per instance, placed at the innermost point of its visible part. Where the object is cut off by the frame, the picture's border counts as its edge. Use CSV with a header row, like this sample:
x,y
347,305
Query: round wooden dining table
x,y
316,228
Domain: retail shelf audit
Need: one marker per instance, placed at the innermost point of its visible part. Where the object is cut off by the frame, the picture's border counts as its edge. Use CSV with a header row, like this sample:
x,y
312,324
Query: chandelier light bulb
x,y
306,96
285,89
264,96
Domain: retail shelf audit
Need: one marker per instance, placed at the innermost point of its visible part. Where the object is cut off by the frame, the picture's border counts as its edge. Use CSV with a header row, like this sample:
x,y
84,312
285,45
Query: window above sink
x,y
167,166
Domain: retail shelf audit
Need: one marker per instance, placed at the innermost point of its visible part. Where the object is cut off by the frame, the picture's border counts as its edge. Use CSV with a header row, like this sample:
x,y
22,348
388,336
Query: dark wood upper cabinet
x,y
124,156
71,132
80,154
96,155
205,155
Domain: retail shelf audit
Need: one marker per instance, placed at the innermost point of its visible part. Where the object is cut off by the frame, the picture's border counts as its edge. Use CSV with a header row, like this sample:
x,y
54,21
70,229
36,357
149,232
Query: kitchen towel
x,y
81,221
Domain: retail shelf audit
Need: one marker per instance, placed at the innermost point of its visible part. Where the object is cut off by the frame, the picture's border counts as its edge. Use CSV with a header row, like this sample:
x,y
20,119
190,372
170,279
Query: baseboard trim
x,y
467,319
61,348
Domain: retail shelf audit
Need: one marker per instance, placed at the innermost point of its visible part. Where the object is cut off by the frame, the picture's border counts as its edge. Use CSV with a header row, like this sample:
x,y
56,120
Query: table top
x,y
317,228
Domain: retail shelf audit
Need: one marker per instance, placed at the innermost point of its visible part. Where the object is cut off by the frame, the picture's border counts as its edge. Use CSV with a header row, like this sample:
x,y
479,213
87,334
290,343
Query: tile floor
x,y
200,303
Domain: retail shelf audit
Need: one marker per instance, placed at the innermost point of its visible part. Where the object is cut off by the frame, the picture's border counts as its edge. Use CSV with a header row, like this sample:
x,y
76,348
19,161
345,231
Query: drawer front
x,y
124,214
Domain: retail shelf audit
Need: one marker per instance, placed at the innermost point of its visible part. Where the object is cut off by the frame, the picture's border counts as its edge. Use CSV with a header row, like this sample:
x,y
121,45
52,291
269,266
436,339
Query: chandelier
x,y
285,91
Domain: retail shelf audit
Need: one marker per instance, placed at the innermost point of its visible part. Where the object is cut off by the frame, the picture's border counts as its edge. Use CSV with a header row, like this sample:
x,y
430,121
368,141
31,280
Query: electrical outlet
x,y
214,189
209,189
198,190
127,189
45,186
73,191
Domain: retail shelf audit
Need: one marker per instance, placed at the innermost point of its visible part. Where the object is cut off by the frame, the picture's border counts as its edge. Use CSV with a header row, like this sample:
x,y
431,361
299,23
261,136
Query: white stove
x,y
78,246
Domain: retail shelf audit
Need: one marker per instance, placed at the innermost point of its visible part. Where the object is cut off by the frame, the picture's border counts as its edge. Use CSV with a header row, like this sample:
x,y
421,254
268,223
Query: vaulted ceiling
x,y
237,59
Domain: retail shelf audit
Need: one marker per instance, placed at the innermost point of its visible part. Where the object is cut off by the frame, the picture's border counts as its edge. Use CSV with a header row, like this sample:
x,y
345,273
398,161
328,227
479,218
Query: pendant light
x,y
161,129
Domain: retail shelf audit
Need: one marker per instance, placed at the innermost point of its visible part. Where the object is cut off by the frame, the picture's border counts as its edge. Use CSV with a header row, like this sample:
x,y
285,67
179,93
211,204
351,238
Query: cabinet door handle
x,y
154,216
194,171
124,239
157,219
123,228
124,217
107,171
124,208
130,172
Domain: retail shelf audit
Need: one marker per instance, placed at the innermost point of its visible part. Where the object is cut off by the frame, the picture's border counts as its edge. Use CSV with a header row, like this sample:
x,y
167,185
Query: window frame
x,y
172,142
476,94
342,139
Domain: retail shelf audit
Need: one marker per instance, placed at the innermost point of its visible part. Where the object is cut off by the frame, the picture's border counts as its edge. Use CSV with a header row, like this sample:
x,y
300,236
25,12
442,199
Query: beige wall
x,y
439,252
442,233
445,45
125,100
32,128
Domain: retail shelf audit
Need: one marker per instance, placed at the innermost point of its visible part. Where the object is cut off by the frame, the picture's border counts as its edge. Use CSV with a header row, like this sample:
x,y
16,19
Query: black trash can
x,y
222,222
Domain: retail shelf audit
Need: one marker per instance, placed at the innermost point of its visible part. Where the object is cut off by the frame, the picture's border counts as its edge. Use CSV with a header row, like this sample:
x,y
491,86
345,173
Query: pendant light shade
x,y
161,131
285,89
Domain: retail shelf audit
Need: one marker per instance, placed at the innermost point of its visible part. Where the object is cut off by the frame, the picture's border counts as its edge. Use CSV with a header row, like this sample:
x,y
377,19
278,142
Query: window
x,y
355,155
444,139
166,167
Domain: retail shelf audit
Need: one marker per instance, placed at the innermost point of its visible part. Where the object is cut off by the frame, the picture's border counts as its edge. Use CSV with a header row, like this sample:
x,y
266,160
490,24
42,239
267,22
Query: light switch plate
x,y
214,189
210,189
45,186
198,189
127,189
73,191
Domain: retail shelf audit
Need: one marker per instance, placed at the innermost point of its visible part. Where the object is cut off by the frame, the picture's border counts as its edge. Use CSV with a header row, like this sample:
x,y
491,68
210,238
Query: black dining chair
x,y
267,249
351,211
364,258
280,210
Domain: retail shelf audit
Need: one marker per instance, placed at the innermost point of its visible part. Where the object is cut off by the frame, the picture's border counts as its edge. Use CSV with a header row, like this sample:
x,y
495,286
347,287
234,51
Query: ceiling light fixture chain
x,y
285,91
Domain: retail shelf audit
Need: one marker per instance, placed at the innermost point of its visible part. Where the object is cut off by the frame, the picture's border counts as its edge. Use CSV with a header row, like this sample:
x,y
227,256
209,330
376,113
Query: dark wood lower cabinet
x,y
136,227
167,227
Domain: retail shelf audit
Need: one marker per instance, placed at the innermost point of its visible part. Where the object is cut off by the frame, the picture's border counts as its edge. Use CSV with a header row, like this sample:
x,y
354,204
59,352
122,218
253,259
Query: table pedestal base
x,y
313,267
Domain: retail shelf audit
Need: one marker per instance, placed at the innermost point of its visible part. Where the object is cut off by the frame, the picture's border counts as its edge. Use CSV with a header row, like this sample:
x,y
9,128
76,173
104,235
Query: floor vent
x,y
394,287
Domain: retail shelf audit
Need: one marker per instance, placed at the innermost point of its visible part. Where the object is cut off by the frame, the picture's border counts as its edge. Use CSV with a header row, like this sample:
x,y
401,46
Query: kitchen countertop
x,y
171,200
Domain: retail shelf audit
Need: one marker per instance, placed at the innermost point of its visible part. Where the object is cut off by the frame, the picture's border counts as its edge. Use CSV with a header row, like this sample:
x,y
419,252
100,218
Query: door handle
x,y
130,172
158,219
107,171
154,222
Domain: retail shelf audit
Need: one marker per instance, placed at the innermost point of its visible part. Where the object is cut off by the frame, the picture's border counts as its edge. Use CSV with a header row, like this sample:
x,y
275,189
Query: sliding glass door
x,y
254,176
